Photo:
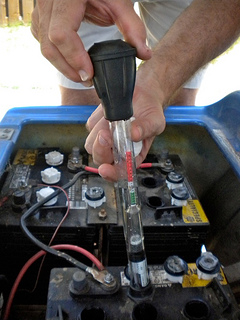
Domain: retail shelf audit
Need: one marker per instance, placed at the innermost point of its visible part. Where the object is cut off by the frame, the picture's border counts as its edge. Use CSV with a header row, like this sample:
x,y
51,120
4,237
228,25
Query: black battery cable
x,y
32,210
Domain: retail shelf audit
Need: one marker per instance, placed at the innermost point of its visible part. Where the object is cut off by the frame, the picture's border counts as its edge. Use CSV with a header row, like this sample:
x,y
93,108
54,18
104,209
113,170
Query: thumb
x,y
148,126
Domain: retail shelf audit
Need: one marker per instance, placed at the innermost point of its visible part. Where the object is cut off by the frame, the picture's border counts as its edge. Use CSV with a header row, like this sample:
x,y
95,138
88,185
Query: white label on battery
x,y
157,276
20,177
77,196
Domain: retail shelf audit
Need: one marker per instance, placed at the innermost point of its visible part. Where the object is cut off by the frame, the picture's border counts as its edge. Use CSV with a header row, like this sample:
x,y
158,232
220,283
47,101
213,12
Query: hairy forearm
x,y
202,32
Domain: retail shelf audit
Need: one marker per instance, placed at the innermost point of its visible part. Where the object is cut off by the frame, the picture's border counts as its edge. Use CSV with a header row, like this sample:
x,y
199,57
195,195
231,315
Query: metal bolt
x,y
79,283
102,214
167,165
108,278
164,154
75,155
23,183
168,162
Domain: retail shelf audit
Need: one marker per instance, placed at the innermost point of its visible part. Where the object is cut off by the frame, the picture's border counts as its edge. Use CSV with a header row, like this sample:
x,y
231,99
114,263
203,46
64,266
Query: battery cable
x,y
37,242
35,258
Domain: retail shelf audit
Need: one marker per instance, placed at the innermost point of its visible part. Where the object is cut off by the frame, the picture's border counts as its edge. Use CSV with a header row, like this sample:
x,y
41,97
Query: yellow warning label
x,y
191,279
193,212
26,156
159,277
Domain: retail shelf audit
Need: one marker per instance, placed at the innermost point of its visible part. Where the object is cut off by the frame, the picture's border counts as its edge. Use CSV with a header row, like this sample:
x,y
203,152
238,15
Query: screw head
x,y
108,278
102,214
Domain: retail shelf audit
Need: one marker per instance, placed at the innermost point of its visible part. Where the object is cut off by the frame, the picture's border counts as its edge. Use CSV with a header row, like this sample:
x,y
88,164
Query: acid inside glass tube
x,y
130,206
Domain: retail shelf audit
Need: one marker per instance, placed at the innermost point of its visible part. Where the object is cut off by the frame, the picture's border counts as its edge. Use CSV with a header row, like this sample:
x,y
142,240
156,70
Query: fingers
x,y
149,125
49,50
108,172
35,23
121,13
94,118
65,22
132,28
146,146
102,148
99,144
55,25
94,135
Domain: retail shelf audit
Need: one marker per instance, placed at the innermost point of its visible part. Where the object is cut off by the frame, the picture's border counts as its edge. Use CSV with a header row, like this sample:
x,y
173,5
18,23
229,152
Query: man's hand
x,y
55,24
149,122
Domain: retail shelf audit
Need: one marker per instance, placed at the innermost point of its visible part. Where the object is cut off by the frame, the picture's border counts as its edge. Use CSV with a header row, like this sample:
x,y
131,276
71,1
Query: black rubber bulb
x,y
114,77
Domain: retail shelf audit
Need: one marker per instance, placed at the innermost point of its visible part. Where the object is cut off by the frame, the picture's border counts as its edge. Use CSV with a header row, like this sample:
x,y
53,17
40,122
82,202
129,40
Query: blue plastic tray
x,y
221,120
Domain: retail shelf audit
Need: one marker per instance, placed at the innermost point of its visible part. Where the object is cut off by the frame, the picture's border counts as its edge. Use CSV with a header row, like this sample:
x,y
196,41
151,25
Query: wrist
x,y
149,79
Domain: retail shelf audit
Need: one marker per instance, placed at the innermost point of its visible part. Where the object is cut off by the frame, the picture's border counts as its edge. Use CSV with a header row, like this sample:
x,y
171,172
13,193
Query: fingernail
x,y
88,147
87,125
83,75
102,174
103,142
87,83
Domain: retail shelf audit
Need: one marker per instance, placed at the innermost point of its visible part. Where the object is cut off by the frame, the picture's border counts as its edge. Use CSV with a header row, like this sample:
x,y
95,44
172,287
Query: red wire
x,y
65,215
55,232
145,165
3,200
37,256
91,169
95,170
58,247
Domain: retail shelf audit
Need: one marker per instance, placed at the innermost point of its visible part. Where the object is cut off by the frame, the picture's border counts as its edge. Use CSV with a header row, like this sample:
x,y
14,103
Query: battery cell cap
x,y
95,196
179,196
44,193
50,175
208,266
175,268
174,180
54,158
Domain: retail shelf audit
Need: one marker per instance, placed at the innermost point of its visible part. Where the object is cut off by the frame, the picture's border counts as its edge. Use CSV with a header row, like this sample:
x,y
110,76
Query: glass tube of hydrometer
x,y
114,79
131,208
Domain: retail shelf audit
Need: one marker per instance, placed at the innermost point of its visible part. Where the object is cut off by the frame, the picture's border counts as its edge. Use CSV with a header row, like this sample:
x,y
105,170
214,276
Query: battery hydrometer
x,y
114,80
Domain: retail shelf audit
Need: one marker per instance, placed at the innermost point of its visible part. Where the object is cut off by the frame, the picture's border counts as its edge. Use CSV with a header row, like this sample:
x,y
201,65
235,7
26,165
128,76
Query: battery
x,y
193,299
168,229
19,190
